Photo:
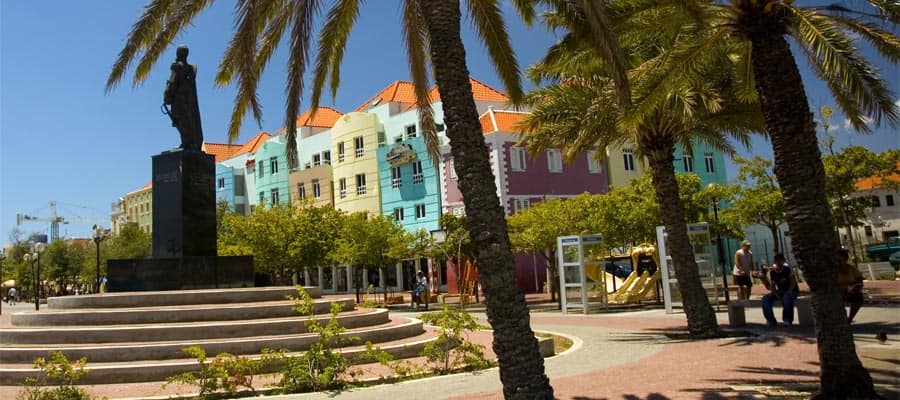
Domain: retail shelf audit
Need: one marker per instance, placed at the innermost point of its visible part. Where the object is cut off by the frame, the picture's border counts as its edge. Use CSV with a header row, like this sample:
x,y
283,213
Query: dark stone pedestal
x,y
180,273
184,204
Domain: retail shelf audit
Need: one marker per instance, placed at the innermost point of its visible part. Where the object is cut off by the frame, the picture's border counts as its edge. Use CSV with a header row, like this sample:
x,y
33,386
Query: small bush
x,y
224,374
452,349
60,370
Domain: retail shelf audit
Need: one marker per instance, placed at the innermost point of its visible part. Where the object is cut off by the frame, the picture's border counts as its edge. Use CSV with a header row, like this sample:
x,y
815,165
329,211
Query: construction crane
x,y
54,220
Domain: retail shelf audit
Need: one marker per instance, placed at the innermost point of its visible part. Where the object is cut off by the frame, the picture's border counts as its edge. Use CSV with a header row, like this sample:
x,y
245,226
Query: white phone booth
x,y
700,240
582,278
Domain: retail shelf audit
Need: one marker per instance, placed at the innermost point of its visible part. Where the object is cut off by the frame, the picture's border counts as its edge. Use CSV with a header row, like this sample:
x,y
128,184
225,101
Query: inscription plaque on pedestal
x,y
184,204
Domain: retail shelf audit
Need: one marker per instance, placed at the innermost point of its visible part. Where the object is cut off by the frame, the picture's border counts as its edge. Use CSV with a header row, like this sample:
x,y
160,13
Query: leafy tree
x,y
431,34
828,36
318,230
370,241
131,242
843,170
577,112
759,199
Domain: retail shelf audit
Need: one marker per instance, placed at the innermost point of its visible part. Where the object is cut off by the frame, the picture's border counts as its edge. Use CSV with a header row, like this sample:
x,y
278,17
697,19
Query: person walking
x,y
420,289
743,268
782,285
849,283
11,296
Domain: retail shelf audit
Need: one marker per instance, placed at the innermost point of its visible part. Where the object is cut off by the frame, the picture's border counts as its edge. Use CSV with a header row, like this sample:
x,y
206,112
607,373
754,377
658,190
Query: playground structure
x,y
643,279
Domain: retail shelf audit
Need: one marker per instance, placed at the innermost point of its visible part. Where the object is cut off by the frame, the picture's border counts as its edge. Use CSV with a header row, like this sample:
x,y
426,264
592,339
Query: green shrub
x,y
452,349
61,371
224,374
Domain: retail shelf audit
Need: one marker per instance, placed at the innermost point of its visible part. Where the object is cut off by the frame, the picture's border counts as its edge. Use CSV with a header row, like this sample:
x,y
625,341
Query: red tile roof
x,y
404,93
875,181
325,118
396,92
253,144
506,121
222,151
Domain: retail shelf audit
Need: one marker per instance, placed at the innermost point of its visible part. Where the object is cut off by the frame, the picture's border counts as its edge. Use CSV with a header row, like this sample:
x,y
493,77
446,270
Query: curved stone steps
x,y
97,334
133,351
148,371
169,314
178,297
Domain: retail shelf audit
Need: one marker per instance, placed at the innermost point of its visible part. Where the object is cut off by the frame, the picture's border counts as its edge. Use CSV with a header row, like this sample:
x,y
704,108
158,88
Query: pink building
x,y
524,179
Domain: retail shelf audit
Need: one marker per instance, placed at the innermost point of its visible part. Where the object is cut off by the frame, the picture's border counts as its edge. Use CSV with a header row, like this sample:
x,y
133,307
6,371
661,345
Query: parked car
x,y
882,251
895,260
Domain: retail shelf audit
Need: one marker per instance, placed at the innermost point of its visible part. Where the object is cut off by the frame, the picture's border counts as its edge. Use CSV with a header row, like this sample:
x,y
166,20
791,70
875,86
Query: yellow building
x,y
623,165
139,207
354,140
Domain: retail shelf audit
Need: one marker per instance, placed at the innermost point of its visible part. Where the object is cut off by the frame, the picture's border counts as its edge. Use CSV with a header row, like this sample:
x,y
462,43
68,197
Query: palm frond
x,y
142,32
415,34
525,8
842,66
488,22
886,43
301,30
607,46
179,18
332,43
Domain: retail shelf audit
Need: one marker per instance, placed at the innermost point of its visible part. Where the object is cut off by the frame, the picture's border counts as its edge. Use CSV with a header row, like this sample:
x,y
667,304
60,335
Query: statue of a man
x,y
180,101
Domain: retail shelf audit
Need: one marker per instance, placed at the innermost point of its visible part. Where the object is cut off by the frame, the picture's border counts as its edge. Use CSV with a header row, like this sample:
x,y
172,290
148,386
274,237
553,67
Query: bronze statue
x,y
180,101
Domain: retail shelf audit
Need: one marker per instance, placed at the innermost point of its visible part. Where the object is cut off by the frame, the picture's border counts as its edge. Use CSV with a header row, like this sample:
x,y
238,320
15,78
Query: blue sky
x,y
62,138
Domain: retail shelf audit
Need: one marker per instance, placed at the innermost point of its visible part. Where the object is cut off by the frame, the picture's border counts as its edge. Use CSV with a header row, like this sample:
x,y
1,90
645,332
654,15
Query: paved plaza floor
x,y
632,355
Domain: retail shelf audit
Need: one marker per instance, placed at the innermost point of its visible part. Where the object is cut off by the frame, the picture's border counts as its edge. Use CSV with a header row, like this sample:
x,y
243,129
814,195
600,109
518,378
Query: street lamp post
x,y
719,248
35,257
98,237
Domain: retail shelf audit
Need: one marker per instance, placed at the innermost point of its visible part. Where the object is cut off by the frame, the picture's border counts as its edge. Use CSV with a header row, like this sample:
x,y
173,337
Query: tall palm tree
x,y
828,36
431,33
579,112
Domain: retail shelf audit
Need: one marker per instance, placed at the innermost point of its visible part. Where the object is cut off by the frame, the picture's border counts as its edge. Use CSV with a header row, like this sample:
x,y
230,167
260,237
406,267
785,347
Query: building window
x,y
868,230
439,127
517,158
398,214
396,178
451,167
262,168
875,201
342,186
316,160
521,204
262,197
274,196
889,200
418,177
273,165
410,131
554,160
420,211
628,158
317,190
360,184
341,152
710,165
593,163
358,144
688,163
326,157
220,183
301,191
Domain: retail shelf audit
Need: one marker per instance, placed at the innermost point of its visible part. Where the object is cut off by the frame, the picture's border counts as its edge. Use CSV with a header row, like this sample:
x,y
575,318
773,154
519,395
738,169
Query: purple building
x,y
523,179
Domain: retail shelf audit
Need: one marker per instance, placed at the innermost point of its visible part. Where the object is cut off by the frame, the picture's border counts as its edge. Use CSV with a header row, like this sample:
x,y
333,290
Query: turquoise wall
x,y
274,147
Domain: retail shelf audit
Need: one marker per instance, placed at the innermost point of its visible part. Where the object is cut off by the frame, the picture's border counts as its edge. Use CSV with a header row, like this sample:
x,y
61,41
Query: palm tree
x,y
431,32
828,36
579,112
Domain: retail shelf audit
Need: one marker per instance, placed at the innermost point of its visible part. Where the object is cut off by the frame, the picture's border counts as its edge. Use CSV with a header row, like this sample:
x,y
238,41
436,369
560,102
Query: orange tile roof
x,y
325,118
506,121
143,188
480,91
396,92
875,181
222,151
253,144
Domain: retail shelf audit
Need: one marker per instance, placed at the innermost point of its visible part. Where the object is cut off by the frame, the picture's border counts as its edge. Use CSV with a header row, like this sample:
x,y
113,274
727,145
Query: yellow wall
x,y
348,127
618,176
139,208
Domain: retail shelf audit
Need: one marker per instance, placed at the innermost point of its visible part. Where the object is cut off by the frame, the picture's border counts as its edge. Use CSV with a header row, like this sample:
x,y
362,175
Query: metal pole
x,y
97,283
721,251
37,300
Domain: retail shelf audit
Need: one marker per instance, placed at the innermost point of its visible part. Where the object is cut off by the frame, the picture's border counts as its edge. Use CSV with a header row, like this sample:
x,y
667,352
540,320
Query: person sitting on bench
x,y
782,285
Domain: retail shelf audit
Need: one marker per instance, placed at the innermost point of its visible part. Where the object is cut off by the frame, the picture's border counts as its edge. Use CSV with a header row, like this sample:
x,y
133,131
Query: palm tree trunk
x,y
776,247
700,316
801,175
521,364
